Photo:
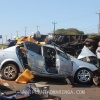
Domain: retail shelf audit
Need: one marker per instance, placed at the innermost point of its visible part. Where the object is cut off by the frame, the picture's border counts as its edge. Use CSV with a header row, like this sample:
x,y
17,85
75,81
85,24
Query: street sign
x,y
0,36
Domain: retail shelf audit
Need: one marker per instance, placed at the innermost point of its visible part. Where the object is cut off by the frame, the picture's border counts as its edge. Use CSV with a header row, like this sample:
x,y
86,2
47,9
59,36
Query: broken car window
x,y
33,47
62,54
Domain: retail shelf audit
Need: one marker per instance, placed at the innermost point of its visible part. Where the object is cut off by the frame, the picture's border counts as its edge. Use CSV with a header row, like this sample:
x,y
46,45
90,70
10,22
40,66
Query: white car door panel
x,y
35,60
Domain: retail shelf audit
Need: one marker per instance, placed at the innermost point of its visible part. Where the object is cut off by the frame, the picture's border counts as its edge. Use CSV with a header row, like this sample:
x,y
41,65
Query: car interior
x,y
22,56
50,59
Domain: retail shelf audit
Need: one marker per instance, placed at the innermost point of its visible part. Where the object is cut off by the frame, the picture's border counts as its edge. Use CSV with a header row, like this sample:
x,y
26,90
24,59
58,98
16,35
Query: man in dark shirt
x,y
12,43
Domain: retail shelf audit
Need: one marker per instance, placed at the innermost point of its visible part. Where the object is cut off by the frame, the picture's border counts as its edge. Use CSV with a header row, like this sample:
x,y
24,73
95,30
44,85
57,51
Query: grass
x,y
3,45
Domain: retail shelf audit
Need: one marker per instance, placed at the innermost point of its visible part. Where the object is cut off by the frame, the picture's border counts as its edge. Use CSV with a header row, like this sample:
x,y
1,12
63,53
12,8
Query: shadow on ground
x,y
4,88
52,81
76,85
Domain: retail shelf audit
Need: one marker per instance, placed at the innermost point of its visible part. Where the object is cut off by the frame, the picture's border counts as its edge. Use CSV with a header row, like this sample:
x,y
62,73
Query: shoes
x,y
96,80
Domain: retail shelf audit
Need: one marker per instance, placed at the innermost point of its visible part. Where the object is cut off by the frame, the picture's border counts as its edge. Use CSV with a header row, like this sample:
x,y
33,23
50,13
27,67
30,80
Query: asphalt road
x,y
59,88
69,92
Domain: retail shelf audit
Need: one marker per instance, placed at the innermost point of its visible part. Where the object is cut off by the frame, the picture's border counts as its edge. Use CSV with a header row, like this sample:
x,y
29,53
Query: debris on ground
x,y
25,77
31,91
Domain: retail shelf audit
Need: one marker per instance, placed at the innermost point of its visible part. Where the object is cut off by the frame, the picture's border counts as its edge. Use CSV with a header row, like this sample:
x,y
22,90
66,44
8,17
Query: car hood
x,y
10,49
82,64
85,53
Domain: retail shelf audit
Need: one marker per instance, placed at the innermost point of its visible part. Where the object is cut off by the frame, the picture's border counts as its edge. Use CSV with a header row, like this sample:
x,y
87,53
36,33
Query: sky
x,y
15,15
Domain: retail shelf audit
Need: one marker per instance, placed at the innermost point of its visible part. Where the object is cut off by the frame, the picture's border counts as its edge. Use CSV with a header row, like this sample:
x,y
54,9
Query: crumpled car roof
x,y
85,53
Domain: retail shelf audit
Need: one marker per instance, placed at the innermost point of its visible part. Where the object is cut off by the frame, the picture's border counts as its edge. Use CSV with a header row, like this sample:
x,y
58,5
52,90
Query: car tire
x,y
83,76
9,72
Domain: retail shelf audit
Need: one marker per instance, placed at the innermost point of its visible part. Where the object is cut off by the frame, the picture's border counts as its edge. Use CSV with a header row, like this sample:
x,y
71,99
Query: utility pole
x,y
2,40
11,36
99,23
6,38
37,27
17,33
25,30
54,25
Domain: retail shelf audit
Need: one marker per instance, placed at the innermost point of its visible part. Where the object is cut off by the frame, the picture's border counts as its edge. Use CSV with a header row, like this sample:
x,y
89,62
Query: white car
x,y
42,60
83,71
47,60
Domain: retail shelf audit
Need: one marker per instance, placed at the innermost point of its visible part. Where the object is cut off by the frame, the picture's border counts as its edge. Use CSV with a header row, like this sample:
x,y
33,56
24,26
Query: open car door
x,y
63,63
34,56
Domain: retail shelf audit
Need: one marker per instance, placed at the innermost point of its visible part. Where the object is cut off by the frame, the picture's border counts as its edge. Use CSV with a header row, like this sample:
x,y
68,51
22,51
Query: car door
x,y
34,56
63,63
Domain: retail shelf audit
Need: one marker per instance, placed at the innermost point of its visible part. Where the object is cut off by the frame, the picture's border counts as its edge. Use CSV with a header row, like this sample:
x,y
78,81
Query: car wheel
x,y
83,76
9,72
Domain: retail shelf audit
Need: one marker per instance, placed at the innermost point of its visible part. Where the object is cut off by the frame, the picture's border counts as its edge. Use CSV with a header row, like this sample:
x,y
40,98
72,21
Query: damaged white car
x,y
45,60
84,67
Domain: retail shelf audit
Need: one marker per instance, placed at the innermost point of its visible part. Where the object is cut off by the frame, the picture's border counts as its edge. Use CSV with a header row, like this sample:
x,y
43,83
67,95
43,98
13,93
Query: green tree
x,y
68,31
60,31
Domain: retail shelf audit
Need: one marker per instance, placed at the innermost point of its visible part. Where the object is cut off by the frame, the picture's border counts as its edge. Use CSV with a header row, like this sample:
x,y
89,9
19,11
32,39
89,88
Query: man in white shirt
x,y
98,55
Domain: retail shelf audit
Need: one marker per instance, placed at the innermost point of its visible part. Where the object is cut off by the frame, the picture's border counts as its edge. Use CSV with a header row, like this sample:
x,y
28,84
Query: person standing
x,y
98,56
13,42
96,78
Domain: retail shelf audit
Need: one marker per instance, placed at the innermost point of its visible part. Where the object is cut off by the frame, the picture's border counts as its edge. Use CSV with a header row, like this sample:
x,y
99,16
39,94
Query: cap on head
x,y
17,38
14,37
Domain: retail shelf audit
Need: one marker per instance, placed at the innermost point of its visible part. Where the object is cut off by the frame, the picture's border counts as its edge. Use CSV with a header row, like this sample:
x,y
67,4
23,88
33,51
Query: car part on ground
x,y
31,92
25,77
70,80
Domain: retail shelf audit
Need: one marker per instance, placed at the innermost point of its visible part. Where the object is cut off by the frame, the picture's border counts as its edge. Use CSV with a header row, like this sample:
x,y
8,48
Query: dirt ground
x,y
58,88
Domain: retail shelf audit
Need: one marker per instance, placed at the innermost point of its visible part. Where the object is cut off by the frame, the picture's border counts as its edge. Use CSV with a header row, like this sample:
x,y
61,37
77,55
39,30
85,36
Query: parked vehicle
x,y
42,60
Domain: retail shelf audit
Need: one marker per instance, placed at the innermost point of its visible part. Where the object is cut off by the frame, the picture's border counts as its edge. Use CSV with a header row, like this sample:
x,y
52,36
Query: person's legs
x,y
96,78
98,65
